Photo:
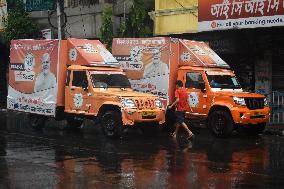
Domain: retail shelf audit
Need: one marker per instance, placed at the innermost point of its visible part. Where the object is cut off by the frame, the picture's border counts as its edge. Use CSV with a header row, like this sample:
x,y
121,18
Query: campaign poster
x,y
146,63
33,76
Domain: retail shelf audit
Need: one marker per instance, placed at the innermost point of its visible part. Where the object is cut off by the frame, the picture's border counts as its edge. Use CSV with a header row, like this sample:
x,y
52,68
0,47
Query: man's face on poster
x,y
45,63
156,58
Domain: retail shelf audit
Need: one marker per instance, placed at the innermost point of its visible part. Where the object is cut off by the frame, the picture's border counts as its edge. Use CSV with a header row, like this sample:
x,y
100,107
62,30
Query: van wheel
x,y
220,122
111,124
255,129
74,123
36,121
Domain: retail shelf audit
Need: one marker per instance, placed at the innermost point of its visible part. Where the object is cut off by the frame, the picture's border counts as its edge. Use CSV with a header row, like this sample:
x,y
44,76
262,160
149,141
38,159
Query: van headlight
x,y
128,103
265,102
158,103
239,101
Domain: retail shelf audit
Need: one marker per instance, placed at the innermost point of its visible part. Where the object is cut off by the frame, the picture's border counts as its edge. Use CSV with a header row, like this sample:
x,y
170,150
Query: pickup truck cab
x,y
106,93
216,96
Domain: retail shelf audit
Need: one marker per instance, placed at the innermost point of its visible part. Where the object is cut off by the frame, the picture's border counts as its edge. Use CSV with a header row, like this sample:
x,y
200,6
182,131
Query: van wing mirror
x,y
85,85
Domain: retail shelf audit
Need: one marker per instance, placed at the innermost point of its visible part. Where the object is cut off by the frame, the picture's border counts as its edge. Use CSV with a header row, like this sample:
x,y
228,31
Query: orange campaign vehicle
x,y
215,96
75,79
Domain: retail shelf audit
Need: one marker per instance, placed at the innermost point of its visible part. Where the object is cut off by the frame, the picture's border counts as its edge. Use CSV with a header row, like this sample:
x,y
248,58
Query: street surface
x,y
65,159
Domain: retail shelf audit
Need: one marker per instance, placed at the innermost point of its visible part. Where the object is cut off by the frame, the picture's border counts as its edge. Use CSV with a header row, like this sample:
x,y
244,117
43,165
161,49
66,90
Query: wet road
x,y
68,159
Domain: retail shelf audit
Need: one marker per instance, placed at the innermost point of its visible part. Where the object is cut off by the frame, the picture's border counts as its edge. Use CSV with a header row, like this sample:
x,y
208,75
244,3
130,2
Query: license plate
x,y
258,113
148,113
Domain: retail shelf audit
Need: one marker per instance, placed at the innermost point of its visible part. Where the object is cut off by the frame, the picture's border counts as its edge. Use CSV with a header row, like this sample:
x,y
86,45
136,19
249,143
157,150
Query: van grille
x,y
145,104
254,103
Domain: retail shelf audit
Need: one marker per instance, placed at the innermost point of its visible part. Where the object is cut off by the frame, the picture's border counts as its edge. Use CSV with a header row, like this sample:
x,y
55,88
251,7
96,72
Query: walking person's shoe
x,y
191,137
173,135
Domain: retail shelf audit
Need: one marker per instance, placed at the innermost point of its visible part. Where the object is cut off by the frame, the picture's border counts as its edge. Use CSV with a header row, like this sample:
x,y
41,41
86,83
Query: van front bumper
x,y
243,115
132,116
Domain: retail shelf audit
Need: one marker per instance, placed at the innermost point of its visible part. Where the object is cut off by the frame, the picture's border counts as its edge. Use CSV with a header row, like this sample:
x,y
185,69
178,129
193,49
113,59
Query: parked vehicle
x,y
215,96
75,79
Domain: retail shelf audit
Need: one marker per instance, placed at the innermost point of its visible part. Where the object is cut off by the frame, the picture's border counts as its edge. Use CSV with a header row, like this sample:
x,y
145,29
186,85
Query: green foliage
x,y
122,29
18,25
138,22
106,31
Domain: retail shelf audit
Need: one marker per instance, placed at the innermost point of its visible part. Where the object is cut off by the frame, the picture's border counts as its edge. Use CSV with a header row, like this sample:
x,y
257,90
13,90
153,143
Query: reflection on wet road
x,y
53,158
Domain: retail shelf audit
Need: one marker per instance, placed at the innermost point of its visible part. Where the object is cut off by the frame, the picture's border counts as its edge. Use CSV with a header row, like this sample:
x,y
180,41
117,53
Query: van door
x,y
197,96
77,99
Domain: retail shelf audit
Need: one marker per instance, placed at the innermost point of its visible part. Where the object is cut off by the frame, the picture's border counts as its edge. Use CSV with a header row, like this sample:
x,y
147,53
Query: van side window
x,y
193,79
79,78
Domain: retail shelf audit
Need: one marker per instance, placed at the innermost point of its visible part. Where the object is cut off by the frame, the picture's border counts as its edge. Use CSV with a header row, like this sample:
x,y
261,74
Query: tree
x,y
18,25
138,23
106,31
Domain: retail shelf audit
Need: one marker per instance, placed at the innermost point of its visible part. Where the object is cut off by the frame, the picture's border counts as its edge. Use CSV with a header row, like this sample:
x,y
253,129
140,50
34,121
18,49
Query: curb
x,y
274,130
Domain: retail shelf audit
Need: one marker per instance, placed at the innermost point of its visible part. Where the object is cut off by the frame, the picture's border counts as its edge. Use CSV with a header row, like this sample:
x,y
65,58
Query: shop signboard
x,y
237,14
39,5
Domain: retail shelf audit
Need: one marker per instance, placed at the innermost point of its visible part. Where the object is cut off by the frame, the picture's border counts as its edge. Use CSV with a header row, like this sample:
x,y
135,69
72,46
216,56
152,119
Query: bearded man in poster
x,y
46,79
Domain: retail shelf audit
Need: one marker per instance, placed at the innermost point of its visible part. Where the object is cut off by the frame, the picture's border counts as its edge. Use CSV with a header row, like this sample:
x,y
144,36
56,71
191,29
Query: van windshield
x,y
223,81
110,81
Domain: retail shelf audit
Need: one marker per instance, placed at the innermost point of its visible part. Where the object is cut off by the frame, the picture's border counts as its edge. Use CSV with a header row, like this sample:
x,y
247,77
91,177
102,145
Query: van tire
x,y
73,123
37,121
221,123
111,124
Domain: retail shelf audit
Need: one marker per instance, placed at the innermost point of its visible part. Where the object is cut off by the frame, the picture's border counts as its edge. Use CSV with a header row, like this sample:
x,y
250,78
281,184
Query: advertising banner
x,y
145,62
235,14
32,76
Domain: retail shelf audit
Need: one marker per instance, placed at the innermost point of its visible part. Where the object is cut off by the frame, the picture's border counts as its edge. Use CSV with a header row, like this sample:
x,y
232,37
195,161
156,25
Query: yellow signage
x,y
175,17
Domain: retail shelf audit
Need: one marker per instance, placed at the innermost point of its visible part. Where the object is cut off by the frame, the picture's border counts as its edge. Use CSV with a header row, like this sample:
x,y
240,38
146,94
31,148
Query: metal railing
x,y
276,103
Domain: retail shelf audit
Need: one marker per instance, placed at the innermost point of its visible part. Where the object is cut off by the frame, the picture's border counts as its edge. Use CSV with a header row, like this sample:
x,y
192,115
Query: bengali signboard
x,y
235,14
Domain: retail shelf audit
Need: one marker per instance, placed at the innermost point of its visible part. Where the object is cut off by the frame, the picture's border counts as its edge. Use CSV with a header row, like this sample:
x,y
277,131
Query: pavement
x,y
274,129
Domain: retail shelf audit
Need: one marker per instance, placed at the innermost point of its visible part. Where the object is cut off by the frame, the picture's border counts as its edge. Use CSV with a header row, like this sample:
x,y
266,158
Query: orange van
x,y
76,79
215,96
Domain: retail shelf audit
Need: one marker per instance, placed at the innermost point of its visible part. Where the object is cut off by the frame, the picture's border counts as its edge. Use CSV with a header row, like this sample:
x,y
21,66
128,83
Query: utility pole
x,y
124,7
58,19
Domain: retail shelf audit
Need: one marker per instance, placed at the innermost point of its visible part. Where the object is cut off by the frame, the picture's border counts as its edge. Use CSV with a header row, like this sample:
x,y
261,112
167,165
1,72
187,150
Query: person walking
x,y
180,103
